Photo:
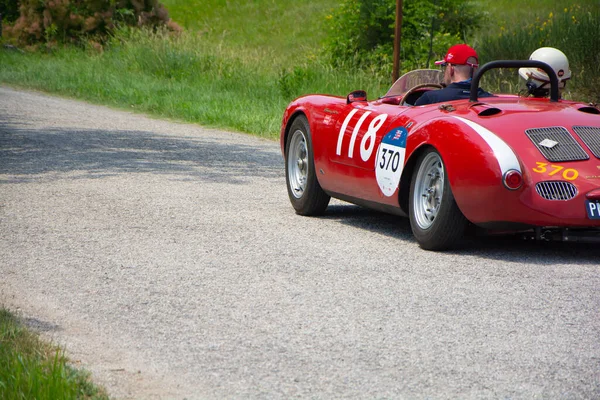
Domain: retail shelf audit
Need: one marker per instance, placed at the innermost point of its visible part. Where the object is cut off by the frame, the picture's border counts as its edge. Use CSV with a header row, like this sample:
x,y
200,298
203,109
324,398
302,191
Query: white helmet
x,y
555,58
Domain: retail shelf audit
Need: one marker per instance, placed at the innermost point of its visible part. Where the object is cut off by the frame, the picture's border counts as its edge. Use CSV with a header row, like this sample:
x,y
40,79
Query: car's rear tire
x,y
305,193
435,219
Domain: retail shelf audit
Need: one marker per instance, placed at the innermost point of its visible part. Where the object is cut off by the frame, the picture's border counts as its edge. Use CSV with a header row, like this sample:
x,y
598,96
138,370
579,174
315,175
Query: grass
x,y
571,26
33,369
238,65
182,78
282,31
517,13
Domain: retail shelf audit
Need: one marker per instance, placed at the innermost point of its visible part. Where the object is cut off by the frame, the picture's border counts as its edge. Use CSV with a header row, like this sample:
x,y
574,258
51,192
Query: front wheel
x,y
305,193
435,219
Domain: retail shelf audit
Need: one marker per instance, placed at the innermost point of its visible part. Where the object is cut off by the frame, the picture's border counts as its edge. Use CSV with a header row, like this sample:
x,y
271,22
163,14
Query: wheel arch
x,y
472,164
298,113
407,174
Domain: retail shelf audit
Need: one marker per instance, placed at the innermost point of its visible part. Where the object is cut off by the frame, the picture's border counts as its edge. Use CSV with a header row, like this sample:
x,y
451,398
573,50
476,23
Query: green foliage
x,y
32,369
573,29
362,31
72,21
9,9
184,78
284,31
291,82
233,73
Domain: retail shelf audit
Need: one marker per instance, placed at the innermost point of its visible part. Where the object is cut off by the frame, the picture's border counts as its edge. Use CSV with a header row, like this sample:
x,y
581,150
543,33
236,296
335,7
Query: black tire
x,y
305,193
435,219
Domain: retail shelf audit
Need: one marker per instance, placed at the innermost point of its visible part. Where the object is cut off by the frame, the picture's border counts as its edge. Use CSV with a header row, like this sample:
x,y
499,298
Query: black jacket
x,y
454,91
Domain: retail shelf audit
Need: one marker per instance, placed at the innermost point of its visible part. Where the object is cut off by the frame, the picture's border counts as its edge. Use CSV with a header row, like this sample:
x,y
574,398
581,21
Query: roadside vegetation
x,y
518,28
33,369
237,66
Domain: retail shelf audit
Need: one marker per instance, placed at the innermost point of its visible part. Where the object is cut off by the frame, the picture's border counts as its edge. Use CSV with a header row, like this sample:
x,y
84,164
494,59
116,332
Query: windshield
x,y
414,78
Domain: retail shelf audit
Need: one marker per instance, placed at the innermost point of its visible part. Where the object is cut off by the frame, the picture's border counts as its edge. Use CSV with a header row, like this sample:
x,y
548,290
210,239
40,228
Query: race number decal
x,y
569,174
367,143
390,160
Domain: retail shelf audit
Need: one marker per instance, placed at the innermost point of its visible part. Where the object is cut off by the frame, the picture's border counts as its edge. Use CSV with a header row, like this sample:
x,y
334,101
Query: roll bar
x,y
516,64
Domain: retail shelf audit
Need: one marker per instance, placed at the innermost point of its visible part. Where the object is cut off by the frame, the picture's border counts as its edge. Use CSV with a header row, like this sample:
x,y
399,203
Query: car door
x,y
354,151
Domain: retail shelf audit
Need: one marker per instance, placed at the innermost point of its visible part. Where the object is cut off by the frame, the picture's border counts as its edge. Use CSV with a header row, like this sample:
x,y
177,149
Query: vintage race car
x,y
504,163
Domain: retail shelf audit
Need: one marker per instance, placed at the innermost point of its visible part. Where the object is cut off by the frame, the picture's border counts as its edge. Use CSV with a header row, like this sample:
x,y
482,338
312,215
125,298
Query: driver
x,y
458,66
537,81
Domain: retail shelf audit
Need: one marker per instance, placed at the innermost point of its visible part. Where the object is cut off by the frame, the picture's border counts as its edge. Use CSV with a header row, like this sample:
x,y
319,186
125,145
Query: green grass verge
x,y
282,32
238,66
181,78
33,369
571,26
513,14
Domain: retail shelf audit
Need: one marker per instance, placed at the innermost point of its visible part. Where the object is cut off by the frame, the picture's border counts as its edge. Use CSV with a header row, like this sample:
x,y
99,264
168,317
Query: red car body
x,y
512,163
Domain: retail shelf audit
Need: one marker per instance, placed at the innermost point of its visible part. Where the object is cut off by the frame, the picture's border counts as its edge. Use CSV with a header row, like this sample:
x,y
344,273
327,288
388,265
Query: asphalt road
x,y
167,259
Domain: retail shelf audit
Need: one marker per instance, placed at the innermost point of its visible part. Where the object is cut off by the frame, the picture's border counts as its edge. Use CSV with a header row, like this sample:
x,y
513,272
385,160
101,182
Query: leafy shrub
x,y
70,21
574,30
291,82
9,10
362,31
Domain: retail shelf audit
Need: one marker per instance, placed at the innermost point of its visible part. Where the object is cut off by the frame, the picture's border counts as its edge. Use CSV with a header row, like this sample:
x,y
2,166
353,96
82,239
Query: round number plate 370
x,y
390,160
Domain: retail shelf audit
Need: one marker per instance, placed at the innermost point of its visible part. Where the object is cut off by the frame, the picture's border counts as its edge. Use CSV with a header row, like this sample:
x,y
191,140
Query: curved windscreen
x,y
414,78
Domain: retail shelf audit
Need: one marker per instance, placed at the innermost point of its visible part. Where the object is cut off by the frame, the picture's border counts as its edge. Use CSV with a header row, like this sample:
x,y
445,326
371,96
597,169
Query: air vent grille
x,y
590,136
556,190
556,144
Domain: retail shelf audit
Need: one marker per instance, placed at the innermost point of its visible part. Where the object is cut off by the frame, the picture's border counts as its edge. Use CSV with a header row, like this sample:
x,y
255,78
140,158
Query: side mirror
x,y
357,95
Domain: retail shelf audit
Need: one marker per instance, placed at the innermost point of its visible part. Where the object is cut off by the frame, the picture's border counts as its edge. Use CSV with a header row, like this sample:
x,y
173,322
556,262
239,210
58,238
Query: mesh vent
x,y
556,190
565,149
590,136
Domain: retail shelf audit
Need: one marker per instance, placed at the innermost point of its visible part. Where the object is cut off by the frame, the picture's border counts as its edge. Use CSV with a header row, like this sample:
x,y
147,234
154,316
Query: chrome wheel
x,y
435,218
429,189
297,163
305,193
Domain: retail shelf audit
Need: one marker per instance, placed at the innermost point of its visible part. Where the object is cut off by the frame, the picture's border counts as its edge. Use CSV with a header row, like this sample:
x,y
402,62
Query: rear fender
x,y
475,159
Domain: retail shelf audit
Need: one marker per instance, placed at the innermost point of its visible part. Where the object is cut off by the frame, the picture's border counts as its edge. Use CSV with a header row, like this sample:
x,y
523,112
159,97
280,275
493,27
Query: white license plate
x,y
593,209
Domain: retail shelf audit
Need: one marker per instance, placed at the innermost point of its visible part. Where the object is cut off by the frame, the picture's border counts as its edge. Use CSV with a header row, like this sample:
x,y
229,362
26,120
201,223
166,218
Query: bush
x,y
362,31
71,21
574,30
9,10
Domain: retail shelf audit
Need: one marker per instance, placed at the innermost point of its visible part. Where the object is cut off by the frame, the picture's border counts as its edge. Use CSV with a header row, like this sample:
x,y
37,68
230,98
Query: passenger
x,y
537,81
459,66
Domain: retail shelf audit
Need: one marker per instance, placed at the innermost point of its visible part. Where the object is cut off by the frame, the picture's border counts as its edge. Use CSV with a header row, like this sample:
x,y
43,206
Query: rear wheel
x,y
305,193
435,219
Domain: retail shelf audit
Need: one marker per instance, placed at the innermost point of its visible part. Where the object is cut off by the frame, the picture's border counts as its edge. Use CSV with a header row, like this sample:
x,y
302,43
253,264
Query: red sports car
x,y
502,163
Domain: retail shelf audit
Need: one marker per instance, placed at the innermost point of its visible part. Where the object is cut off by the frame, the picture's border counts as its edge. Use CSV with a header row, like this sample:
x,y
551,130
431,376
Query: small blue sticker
x,y
396,137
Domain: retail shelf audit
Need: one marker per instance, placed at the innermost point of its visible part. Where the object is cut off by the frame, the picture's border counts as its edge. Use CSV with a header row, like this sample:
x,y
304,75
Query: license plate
x,y
593,209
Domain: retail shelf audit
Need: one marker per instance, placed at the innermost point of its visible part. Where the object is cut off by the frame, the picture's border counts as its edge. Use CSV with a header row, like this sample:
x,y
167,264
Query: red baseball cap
x,y
459,54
